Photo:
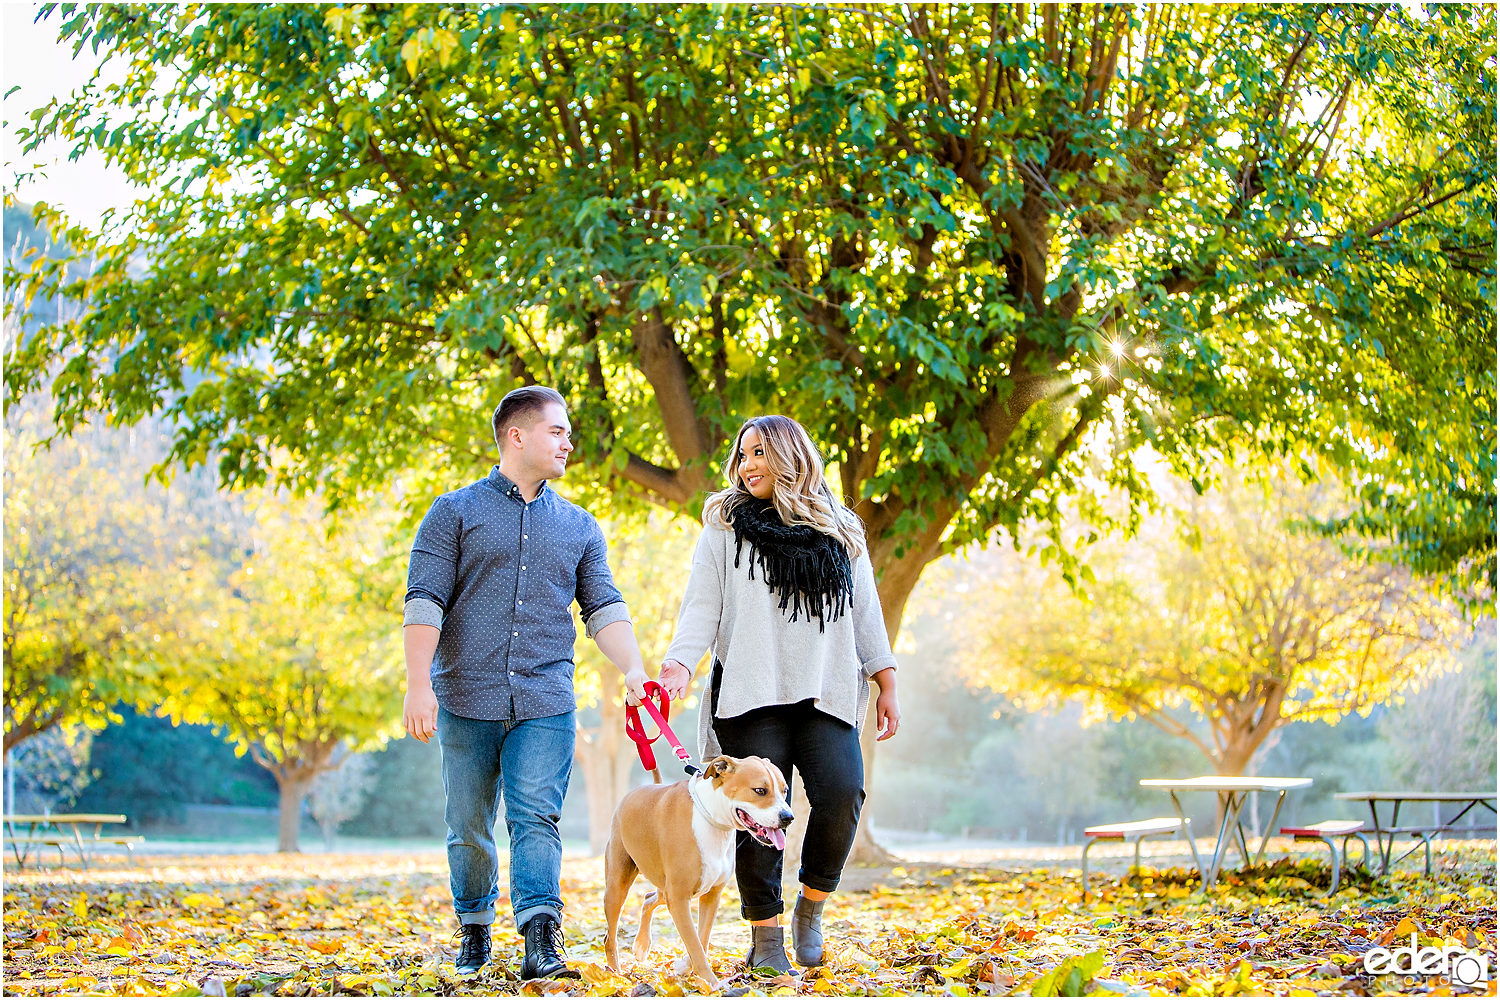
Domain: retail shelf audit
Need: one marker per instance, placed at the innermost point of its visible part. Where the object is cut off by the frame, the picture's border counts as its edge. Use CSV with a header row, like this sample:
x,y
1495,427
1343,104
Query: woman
x,y
783,592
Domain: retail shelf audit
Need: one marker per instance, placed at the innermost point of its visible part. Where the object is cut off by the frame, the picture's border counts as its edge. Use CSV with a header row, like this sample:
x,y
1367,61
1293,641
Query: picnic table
x,y
1385,834
1232,792
62,830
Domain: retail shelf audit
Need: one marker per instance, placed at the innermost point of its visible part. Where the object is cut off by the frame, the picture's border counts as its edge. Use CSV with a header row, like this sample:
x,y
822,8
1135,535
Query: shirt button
x,y
524,537
520,602
515,633
523,567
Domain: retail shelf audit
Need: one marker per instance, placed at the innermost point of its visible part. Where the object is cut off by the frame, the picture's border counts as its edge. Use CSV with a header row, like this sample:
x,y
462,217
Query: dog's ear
x,y
718,766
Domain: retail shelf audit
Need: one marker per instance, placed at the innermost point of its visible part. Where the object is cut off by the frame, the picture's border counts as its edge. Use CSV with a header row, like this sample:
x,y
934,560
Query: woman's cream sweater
x,y
769,659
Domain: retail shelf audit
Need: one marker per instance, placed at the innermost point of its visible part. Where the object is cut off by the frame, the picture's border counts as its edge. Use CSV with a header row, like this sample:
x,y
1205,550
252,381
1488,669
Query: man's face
x,y
545,445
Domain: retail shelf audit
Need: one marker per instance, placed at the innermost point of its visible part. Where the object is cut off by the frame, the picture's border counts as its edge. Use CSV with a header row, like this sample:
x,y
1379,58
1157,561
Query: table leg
x,y
1379,840
1266,837
1187,828
1239,835
78,843
15,845
1221,845
1395,822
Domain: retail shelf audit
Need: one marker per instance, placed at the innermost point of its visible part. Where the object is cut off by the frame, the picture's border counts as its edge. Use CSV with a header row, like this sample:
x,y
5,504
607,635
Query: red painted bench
x,y
1327,831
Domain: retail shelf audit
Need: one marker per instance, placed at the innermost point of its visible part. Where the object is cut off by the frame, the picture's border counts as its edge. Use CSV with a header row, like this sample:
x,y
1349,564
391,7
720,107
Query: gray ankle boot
x,y
768,950
807,931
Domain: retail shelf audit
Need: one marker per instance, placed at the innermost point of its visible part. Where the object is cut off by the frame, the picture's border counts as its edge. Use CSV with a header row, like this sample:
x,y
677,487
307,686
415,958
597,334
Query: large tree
x,y
1221,621
958,242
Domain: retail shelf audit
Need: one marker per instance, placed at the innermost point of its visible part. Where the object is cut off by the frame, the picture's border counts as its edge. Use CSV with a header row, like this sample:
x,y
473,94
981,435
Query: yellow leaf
x,y
411,54
445,42
957,970
600,976
1406,927
202,901
81,907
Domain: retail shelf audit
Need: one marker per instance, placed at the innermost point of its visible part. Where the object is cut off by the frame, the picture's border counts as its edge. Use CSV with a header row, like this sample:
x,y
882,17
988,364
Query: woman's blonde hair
x,y
798,489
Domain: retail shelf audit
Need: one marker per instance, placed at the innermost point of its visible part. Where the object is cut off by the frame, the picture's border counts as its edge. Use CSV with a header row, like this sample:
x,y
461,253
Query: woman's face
x,y
755,473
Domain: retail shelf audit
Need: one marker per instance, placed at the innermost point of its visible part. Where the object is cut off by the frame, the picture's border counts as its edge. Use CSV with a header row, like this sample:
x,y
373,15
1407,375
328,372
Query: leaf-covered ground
x,y
381,925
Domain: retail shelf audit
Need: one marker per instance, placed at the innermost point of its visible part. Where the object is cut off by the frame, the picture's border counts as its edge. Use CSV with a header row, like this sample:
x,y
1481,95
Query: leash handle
x,y
637,731
659,712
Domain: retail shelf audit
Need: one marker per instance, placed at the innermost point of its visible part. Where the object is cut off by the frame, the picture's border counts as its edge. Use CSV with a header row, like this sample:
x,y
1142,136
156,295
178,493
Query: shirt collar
x,y
503,483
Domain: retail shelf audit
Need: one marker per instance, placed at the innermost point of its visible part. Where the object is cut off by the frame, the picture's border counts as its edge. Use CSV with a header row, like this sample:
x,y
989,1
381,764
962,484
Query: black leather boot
x,y
807,931
544,950
474,954
768,950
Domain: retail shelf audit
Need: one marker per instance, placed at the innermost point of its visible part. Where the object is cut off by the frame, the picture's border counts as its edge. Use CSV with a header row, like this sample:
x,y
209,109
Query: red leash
x,y
659,713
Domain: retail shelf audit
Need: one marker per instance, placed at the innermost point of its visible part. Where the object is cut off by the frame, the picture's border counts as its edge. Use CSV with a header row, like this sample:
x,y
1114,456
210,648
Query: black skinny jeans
x,y
825,751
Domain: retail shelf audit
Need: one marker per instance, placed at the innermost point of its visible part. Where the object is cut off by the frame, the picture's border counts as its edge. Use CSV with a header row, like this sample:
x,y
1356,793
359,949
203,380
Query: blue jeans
x,y
531,760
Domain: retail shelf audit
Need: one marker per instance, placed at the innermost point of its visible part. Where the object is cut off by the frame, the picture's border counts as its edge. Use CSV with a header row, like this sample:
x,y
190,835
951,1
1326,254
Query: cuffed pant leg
x,y
537,763
471,783
833,773
757,868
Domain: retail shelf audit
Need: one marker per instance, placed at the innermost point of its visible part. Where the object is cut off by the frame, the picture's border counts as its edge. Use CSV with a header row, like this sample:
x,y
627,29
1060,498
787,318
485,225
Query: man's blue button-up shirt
x,y
498,575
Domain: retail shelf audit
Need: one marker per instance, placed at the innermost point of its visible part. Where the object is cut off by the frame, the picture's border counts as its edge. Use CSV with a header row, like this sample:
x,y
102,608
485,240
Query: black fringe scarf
x,y
806,568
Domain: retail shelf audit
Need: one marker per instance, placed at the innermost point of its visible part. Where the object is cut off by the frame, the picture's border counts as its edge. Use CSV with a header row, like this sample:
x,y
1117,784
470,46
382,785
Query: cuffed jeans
x,y
825,751
532,761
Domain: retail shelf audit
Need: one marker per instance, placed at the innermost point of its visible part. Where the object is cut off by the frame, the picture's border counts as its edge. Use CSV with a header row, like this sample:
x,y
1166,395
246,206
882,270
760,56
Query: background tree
x,y
294,654
1443,733
338,794
957,242
1231,613
95,562
48,772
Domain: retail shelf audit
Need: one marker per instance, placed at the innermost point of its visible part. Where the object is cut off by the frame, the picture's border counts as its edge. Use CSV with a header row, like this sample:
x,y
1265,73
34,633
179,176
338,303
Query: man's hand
x,y
675,678
635,686
419,712
420,708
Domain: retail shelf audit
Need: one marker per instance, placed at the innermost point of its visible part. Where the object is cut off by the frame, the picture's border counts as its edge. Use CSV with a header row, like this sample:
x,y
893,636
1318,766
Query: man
x,y
489,667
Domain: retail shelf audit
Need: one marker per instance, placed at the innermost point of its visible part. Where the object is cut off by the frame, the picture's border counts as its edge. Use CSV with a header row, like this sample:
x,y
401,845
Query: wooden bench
x,y
40,835
1134,832
1327,831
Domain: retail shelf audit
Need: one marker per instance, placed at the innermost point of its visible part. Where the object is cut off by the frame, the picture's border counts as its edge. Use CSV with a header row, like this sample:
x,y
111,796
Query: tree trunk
x,y
289,823
605,757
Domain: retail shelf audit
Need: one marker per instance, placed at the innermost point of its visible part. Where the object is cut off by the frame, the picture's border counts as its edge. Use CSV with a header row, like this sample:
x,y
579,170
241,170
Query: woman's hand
x,y
887,711
675,678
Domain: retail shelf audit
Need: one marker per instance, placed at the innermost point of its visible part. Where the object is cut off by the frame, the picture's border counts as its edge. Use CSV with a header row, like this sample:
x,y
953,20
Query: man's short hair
x,y
520,407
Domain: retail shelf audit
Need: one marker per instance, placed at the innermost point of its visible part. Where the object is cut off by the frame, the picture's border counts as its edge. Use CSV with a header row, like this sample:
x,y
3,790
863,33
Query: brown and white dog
x,y
681,837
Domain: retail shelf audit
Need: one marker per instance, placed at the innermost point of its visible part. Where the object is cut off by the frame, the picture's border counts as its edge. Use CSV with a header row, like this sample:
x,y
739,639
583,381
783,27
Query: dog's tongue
x,y
778,838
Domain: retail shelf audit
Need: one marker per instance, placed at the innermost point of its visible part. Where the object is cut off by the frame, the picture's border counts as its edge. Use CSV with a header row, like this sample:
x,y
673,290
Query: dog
x,y
681,837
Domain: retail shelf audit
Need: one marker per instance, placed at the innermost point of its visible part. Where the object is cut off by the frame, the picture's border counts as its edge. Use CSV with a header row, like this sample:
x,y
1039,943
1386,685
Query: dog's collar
x,y
702,809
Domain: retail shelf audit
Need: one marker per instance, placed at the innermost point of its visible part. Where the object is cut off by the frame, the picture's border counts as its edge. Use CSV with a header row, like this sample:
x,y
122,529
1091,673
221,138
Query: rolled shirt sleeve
x,y
433,570
599,600
871,644
421,611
